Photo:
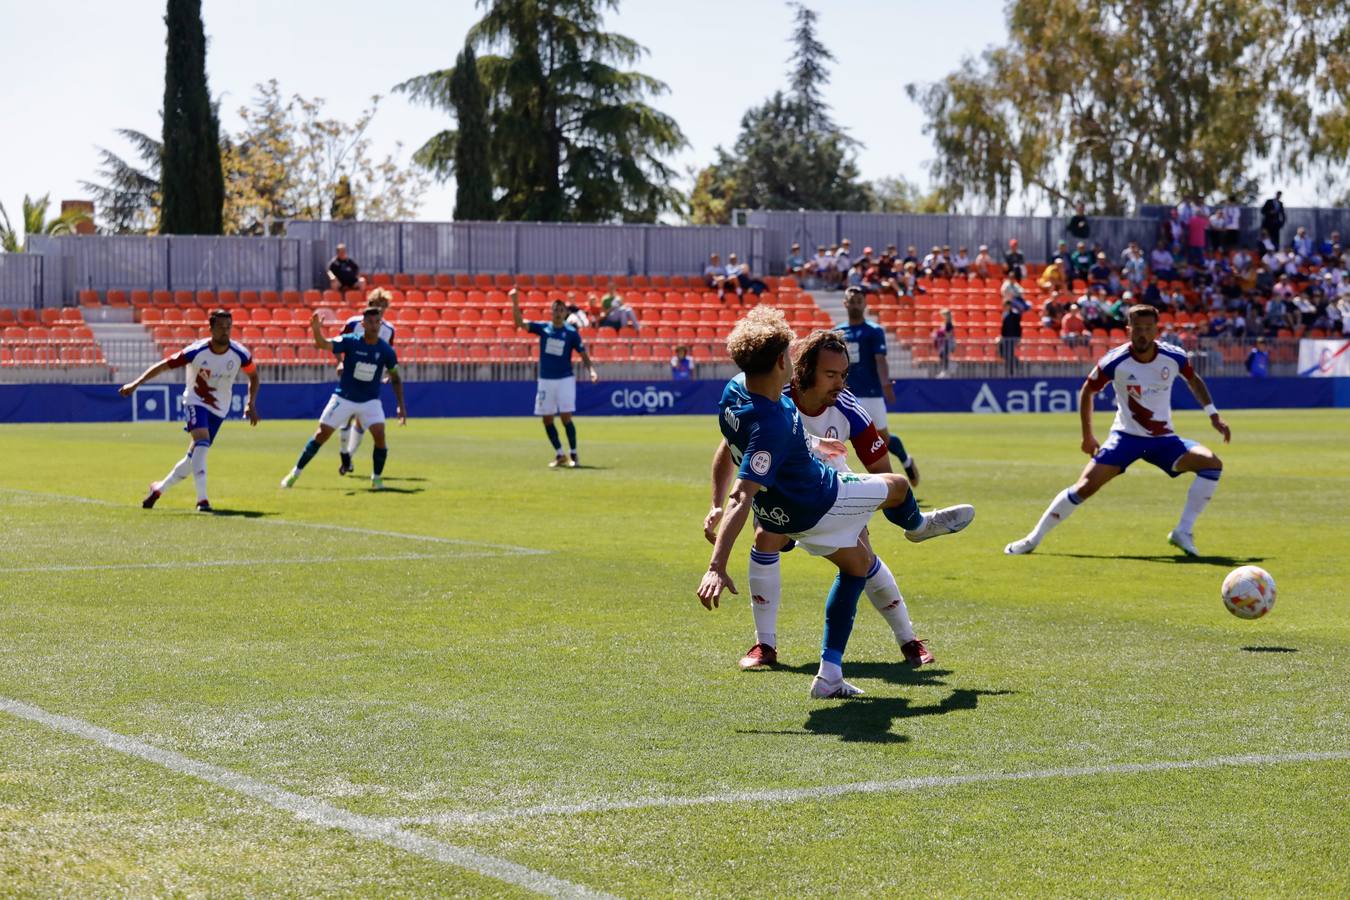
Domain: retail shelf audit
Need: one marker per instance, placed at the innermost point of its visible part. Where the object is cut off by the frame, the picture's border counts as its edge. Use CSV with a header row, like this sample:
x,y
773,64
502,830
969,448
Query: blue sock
x,y
571,429
897,446
1208,474
552,431
906,515
307,454
840,607
379,456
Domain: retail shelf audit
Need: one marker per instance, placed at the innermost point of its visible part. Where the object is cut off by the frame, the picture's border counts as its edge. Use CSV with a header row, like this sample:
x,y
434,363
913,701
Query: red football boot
x,y
759,655
916,653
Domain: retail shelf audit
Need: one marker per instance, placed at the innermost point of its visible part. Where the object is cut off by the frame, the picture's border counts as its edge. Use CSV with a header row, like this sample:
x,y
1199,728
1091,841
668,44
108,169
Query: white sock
x,y
177,473
344,437
357,433
1065,502
766,592
885,595
829,671
199,467
1197,498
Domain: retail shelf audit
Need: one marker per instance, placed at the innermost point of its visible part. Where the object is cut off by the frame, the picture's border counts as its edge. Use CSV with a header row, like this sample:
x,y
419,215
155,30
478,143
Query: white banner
x,y
1324,359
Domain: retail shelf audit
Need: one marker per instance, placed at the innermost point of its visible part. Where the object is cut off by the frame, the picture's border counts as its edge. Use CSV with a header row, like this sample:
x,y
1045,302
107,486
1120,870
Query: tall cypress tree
x,y
473,168
191,178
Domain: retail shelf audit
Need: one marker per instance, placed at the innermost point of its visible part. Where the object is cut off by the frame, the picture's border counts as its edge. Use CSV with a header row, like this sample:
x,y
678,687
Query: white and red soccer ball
x,y
1248,592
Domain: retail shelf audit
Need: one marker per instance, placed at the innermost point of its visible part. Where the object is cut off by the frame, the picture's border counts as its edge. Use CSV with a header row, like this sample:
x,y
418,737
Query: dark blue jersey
x,y
555,348
769,445
864,341
362,367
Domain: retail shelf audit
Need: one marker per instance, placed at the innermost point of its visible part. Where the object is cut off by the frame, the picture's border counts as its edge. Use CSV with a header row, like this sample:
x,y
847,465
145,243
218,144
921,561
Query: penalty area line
x,y
823,792
307,809
211,564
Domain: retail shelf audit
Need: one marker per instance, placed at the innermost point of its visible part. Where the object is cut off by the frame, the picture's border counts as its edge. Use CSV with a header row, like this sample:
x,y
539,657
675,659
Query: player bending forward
x,y
364,359
212,365
830,414
1143,372
794,494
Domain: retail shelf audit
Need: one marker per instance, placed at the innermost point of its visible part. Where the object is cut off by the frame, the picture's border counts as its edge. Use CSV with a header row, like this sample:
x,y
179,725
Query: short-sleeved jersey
x,y
210,375
356,325
864,341
362,367
1143,389
555,348
768,443
844,420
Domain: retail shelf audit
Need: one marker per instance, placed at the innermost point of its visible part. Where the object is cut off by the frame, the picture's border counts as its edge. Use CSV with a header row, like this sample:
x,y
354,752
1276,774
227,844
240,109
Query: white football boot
x,y
942,521
1183,541
833,690
1021,547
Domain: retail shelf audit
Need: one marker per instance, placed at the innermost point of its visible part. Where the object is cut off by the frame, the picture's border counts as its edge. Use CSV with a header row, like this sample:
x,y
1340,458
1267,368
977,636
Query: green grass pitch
x,y
577,713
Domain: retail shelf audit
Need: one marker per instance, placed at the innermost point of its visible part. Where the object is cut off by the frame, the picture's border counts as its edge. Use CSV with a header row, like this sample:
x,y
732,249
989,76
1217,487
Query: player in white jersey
x,y
830,415
1143,373
350,434
212,365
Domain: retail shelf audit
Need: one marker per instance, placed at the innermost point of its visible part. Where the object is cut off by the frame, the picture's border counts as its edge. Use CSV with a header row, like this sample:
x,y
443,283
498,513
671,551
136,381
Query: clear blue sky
x,y
79,69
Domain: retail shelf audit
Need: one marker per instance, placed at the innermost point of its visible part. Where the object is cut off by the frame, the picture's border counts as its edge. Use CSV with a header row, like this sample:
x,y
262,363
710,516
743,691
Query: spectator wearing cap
x,y
1014,263
1100,273
1052,276
343,272
1072,328
961,263
982,267
795,261
715,275
1080,261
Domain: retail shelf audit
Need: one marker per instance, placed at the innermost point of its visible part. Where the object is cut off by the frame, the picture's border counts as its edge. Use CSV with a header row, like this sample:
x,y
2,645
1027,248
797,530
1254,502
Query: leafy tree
x,y
34,221
192,183
571,136
472,154
1121,103
789,153
344,202
900,195
128,198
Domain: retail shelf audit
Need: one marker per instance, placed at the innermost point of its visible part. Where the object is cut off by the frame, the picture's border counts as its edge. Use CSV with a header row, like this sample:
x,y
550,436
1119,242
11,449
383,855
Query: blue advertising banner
x,y
449,399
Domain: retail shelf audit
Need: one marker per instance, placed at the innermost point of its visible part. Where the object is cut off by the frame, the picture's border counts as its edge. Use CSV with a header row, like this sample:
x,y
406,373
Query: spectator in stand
x,y
944,342
1100,273
343,272
1078,226
1134,266
1303,246
1014,263
1162,263
909,281
1080,262
1218,324
1010,335
983,265
576,317
822,266
1255,316
1273,217
1227,222
1113,308
961,263
843,258
715,275
1090,309
1305,311
1258,360
1240,260
911,256
1011,292
682,364
1052,310
796,263
1278,315
1343,308
1154,297
1072,328
1238,328
1329,250
1061,252
1052,276
1173,231
745,280
616,314
1266,244
1197,234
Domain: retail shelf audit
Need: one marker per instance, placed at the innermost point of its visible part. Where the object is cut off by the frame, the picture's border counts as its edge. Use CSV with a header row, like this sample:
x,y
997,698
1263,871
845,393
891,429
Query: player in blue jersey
x,y
869,375
364,360
557,394
212,365
793,493
351,432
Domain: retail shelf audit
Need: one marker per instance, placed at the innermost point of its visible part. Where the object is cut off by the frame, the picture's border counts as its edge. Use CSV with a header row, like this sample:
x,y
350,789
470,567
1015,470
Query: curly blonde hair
x,y
379,297
758,339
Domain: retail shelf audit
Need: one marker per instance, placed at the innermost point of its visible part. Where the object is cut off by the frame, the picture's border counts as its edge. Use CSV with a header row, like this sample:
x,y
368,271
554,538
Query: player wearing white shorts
x,y
1143,372
830,415
364,360
351,431
212,365
869,376
557,393
794,494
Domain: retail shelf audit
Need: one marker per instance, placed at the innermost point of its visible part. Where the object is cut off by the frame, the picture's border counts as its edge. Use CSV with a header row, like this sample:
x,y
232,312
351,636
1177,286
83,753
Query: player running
x,y
830,414
1143,372
364,359
794,494
869,375
212,365
351,432
557,393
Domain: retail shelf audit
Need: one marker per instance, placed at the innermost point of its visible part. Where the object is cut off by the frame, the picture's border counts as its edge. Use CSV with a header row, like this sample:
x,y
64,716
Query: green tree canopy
x,y
789,153
1121,103
192,184
34,221
571,136
473,150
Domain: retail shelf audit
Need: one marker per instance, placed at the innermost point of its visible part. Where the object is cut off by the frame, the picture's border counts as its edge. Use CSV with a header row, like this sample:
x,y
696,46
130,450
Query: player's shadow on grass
x,y
1270,649
239,513
870,719
388,478
386,490
890,672
1169,558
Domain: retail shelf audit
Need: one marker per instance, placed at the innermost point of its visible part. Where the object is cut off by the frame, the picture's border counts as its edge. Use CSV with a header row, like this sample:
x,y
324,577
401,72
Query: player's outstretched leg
x,y
311,448
1199,494
1066,501
902,509
182,469
884,593
766,592
552,431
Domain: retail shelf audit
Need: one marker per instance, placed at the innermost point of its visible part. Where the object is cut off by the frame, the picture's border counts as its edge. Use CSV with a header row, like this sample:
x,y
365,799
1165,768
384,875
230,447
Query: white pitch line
x,y
209,564
323,526
794,795
307,809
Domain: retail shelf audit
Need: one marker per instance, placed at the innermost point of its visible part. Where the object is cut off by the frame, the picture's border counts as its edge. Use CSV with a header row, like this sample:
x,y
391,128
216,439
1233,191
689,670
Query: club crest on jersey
x,y
832,433
760,461
1166,373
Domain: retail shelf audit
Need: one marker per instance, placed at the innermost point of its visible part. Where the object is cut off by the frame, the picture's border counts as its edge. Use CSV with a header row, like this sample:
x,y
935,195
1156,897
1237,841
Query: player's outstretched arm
x,y
316,326
129,388
396,382
251,404
514,296
716,579
1086,393
1203,397
722,471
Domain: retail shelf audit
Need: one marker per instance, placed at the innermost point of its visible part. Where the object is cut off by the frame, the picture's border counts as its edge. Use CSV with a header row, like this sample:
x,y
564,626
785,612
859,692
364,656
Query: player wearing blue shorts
x,y
364,360
793,493
869,375
1143,373
557,394
212,365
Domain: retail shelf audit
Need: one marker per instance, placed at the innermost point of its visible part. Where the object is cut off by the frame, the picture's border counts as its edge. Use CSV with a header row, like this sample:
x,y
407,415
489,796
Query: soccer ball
x,y
1249,592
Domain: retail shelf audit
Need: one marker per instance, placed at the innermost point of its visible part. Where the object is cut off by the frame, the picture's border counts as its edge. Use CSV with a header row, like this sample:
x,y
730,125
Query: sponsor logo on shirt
x,y
760,462
775,515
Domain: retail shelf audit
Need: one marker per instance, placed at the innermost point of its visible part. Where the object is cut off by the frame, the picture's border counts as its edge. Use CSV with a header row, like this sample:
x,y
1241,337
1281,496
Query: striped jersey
x,y
210,375
843,420
1143,389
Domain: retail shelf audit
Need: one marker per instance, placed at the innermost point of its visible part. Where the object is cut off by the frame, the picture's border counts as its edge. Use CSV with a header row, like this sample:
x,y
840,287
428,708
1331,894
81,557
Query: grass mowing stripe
x,y
213,563
322,526
305,808
790,795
